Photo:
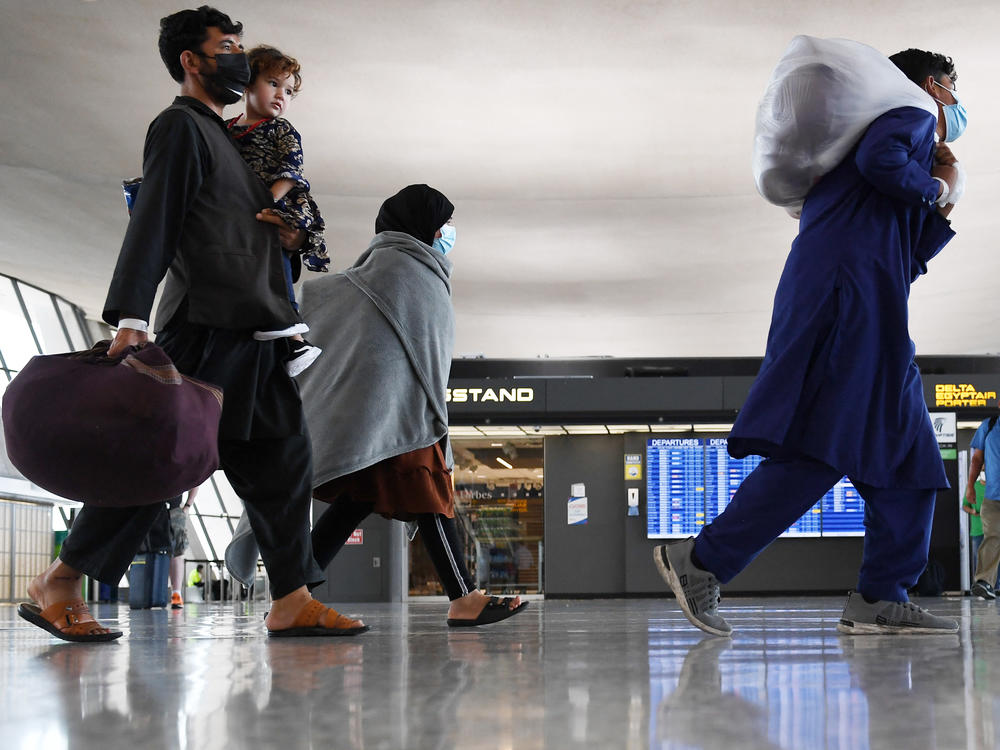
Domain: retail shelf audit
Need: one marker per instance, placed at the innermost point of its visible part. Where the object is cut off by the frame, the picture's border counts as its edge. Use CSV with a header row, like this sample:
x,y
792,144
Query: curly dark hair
x,y
264,59
188,30
917,64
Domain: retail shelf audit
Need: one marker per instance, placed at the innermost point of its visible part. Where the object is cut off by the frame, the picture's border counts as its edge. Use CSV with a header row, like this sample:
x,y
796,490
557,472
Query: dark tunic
x,y
194,222
838,381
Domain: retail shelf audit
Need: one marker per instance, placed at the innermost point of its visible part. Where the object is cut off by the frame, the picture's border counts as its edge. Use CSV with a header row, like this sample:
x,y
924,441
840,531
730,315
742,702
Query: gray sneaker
x,y
697,590
983,590
880,618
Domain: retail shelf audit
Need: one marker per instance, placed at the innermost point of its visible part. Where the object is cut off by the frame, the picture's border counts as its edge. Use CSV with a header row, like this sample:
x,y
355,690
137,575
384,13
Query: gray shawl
x,y
387,328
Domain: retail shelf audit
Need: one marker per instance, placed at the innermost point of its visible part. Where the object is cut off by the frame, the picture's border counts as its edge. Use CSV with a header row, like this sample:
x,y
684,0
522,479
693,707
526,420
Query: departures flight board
x,y
690,481
675,487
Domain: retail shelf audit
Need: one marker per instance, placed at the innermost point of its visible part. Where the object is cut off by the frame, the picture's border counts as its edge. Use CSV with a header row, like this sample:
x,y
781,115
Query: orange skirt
x,y
401,487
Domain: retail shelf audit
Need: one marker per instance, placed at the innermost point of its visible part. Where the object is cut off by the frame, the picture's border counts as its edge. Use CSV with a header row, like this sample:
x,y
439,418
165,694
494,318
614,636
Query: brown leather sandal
x,y
70,620
316,620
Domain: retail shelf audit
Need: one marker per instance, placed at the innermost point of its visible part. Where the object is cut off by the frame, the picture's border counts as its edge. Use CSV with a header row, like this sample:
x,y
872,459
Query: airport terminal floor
x,y
608,673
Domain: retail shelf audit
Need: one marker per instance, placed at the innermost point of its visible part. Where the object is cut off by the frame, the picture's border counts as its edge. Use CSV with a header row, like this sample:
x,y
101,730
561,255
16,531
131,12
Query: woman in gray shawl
x,y
377,410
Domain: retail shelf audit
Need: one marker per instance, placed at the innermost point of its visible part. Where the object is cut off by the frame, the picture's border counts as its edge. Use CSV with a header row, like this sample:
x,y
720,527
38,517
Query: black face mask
x,y
231,76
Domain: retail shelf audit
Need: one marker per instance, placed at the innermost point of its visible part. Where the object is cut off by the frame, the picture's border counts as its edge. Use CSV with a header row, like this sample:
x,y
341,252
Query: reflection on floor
x,y
563,674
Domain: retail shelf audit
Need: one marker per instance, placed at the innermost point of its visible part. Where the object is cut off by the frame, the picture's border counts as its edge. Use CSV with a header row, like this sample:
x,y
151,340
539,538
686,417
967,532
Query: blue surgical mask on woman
x,y
446,241
955,116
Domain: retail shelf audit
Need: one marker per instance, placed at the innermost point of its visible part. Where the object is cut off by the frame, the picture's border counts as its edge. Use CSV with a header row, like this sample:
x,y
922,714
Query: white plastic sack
x,y
822,96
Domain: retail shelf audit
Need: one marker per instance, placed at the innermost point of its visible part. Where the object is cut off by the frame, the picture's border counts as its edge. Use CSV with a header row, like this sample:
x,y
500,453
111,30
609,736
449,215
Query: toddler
x,y
273,150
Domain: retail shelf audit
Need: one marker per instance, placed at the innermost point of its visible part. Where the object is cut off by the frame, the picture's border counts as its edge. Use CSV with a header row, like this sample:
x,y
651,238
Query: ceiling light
x,y
464,432
502,431
496,445
586,429
619,429
552,429
672,427
967,425
508,464
713,428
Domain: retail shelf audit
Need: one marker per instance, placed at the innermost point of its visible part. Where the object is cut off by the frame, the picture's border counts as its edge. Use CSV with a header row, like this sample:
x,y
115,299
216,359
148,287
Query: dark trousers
x,y
438,532
273,477
780,490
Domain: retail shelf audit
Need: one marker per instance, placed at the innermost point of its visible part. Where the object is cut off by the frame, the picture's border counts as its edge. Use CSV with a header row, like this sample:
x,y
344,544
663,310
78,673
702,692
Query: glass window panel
x,y
76,335
58,520
199,533
231,501
44,320
97,331
219,532
16,343
207,501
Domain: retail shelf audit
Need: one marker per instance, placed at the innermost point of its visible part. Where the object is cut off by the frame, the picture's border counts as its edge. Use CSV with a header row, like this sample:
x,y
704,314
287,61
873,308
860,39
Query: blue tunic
x,y
838,381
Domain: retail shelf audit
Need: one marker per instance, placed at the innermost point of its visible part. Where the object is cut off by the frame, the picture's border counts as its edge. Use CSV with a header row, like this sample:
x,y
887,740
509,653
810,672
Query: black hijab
x,y
417,210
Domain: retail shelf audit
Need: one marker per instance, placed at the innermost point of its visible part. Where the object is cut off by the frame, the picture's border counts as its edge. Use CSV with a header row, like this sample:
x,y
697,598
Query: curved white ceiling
x,y
597,153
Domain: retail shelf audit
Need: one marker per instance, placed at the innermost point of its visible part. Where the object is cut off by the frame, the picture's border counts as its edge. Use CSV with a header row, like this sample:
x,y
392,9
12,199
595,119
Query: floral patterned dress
x,y
273,150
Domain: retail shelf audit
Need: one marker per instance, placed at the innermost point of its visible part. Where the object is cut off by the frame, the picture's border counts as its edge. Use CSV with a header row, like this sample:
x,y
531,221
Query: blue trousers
x,y
289,288
780,490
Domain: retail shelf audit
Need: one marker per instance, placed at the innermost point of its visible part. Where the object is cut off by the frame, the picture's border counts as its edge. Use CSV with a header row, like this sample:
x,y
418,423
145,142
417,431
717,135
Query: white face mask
x,y
446,241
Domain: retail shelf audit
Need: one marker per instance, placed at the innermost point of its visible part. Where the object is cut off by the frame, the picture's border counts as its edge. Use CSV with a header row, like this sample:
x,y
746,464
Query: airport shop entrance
x,y
568,472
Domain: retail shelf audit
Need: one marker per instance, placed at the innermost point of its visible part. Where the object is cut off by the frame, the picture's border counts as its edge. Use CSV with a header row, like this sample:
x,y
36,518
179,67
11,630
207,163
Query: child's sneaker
x,y
175,601
862,618
284,333
303,354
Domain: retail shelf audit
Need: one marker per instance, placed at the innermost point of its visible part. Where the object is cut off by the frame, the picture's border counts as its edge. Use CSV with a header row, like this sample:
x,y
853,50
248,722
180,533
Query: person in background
x,y
196,578
838,393
179,509
976,526
985,447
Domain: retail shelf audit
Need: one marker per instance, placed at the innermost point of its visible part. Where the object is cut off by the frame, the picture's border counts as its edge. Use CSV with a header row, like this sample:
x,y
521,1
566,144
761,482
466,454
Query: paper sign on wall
x,y
576,506
633,467
357,537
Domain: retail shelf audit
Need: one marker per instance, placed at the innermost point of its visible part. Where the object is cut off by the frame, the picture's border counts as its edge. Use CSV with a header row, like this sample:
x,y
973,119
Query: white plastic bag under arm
x,y
959,190
822,96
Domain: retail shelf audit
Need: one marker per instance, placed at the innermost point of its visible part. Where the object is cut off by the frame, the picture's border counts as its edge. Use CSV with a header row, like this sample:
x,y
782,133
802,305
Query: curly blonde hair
x,y
266,60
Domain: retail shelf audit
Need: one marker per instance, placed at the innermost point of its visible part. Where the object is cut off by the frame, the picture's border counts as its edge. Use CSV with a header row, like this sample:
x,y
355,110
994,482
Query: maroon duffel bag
x,y
112,432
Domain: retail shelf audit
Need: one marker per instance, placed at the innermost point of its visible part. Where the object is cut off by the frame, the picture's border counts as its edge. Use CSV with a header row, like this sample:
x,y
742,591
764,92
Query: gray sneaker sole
x,y
868,628
668,575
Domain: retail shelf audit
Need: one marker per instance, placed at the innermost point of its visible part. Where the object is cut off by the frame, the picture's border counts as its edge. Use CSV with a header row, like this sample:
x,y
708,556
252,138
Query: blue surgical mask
x,y
955,116
446,241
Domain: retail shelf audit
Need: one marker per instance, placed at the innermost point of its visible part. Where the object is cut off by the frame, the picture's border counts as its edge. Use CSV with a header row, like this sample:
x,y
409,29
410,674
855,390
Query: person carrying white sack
x,y
822,97
838,392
